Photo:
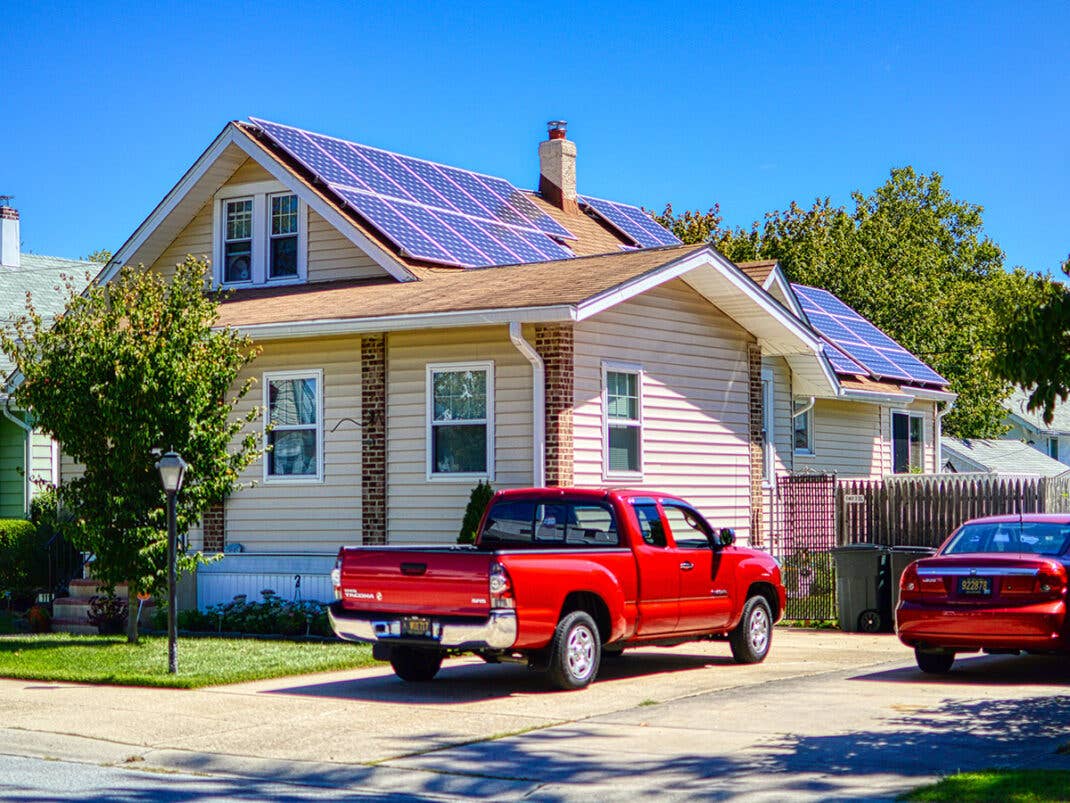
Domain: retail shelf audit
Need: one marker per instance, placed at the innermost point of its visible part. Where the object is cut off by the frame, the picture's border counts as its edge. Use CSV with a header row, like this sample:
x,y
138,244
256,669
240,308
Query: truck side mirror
x,y
728,536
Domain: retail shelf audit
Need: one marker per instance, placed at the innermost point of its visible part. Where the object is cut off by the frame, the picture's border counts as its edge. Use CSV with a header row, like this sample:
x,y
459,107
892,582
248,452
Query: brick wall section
x,y
554,344
754,362
214,529
373,438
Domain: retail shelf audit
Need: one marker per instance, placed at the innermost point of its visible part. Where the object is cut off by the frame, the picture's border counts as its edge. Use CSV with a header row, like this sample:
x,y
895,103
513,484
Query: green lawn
x,y
1011,786
201,661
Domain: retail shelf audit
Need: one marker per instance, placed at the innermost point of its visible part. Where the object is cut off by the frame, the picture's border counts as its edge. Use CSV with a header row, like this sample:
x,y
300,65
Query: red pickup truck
x,y
557,578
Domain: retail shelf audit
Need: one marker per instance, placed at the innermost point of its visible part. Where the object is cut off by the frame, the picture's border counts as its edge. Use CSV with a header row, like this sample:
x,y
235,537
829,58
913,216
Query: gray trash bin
x,y
862,597
899,559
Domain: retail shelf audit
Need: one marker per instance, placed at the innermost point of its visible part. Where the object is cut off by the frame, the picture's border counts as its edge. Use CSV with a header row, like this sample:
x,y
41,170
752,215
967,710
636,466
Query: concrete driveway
x,y
827,715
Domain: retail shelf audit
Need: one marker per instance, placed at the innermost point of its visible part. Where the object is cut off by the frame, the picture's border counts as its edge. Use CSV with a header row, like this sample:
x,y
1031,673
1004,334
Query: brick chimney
x,y
557,168
9,233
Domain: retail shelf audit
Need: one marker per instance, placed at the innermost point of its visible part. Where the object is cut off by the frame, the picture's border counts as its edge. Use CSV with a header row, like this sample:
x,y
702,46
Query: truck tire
x,y
575,652
414,664
934,662
751,639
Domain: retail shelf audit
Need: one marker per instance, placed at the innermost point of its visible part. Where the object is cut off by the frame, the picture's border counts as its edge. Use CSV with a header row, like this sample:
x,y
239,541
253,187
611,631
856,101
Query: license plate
x,y
417,626
975,586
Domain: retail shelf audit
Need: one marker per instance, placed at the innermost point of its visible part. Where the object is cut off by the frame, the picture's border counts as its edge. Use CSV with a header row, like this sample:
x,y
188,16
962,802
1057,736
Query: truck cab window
x,y
689,529
653,531
510,523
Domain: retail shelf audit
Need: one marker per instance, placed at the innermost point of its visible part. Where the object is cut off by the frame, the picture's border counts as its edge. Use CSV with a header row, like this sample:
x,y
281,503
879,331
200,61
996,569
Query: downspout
x,y
805,409
27,451
538,403
938,420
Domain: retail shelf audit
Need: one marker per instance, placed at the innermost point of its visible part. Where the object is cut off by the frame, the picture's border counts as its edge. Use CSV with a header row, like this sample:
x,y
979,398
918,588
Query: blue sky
x,y
105,105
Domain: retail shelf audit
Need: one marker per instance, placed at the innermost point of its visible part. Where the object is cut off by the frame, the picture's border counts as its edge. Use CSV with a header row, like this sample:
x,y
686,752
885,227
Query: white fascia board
x,y
382,258
397,323
232,135
776,277
931,394
876,397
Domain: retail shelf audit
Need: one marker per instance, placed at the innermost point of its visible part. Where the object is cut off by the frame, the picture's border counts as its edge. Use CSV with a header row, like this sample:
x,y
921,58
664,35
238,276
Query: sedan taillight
x,y
913,587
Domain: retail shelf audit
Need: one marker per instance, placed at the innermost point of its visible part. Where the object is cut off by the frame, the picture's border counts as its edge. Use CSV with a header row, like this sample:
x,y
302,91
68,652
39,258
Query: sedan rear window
x,y
1029,537
519,524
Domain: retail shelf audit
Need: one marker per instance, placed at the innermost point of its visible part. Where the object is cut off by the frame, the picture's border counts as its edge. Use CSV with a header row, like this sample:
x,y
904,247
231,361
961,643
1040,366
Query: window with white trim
x,y
803,432
908,443
460,420
622,389
260,235
293,437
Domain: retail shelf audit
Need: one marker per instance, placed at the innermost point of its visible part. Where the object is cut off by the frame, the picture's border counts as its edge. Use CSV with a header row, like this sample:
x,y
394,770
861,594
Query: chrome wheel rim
x,y
580,651
758,631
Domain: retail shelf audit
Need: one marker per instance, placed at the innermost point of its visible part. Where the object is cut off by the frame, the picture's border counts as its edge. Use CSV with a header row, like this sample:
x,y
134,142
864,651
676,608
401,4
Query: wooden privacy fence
x,y
922,510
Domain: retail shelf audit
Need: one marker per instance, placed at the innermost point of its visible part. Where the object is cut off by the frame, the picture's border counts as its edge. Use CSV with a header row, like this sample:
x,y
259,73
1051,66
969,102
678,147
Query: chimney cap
x,y
557,128
5,200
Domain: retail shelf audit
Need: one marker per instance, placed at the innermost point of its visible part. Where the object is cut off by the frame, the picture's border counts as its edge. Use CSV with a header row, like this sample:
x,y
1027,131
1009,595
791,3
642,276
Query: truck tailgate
x,y
438,582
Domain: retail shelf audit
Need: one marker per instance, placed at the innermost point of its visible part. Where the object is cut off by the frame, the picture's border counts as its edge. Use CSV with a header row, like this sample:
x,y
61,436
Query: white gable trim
x,y
777,278
232,135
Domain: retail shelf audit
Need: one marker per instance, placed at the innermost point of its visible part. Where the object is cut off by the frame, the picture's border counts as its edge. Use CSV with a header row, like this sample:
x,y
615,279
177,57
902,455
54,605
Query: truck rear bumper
x,y
496,632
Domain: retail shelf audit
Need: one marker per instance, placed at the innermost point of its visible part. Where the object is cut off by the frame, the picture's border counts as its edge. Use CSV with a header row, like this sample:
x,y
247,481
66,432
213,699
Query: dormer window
x,y
259,235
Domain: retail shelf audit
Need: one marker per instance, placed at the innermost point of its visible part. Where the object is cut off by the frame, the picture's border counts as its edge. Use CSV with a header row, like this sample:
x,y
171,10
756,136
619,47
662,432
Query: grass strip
x,y
1006,786
201,661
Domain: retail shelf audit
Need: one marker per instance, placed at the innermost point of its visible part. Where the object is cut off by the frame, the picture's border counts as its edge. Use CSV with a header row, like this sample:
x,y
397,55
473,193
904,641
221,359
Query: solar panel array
x,y
631,221
432,212
860,341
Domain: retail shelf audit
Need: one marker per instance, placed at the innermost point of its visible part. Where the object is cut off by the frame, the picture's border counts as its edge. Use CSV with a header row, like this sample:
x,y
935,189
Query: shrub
x,y
108,613
473,514
20,555
39,618
272,617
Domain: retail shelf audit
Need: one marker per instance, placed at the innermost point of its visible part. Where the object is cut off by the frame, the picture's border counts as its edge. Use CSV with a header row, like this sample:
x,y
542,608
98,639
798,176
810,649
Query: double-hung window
x,y
908,452
622,420
293,401
803,432
259,235
460,420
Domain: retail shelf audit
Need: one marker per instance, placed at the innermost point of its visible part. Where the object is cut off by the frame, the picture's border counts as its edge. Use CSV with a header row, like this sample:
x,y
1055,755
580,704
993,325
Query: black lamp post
x,y
172,469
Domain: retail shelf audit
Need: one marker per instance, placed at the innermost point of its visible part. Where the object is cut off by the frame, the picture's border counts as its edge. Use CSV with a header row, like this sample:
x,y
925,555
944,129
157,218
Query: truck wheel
x,y
575,652
751,639
934,662
414,664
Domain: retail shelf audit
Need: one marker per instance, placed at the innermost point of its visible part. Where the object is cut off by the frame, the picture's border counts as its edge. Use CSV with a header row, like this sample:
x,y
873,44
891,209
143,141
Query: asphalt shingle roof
x,y
1060,422
998,456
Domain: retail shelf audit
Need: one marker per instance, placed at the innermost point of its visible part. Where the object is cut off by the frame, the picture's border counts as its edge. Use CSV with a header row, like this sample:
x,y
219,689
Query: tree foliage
x,y
132,367
1035,350
910,258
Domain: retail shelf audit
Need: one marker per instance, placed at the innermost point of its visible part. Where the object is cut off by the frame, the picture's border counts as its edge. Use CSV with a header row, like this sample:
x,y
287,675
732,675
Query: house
x,y
1029,426
998,456
425,327
26,455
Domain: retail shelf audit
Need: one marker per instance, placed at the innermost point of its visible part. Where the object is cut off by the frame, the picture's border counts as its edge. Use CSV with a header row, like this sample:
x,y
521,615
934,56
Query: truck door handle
x,y
687,565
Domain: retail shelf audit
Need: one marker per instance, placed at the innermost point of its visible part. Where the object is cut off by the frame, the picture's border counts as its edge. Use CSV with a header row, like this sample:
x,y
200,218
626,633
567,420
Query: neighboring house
x,y
1030,427
26,455
998,456
425,327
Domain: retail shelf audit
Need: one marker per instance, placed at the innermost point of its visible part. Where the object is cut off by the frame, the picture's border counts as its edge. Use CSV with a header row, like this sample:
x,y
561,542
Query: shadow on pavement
x,y
987,670
467,681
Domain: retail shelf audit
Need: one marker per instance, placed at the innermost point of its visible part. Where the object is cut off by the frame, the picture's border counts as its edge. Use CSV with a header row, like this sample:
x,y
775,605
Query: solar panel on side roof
x,y
407,180
546,246
611,215
444,236
511,238
832,328
457,197
841,363
531,214
305,150
872,359
647,224
368,177
495,206
380,214
482,239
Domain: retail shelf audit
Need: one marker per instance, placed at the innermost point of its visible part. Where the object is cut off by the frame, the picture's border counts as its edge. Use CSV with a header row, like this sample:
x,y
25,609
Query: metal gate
x,y
803,536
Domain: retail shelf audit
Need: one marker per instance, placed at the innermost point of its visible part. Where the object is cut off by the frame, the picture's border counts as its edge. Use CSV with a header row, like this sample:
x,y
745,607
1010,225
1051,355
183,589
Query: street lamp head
x,y
172,469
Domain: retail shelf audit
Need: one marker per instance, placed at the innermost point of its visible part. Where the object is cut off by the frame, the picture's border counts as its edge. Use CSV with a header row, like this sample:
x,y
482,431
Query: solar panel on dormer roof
x,y
631,221
862,342
432,212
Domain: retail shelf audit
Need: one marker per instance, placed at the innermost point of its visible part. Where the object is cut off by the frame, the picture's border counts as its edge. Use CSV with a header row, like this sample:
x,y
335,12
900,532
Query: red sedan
x,y
998,584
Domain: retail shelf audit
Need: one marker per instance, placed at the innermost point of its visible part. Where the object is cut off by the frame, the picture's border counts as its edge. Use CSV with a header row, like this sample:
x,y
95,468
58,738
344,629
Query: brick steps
x,y
70,614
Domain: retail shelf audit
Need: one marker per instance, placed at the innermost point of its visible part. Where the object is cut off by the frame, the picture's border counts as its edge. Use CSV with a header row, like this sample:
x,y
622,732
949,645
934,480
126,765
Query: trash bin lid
x,y
915,550
859,548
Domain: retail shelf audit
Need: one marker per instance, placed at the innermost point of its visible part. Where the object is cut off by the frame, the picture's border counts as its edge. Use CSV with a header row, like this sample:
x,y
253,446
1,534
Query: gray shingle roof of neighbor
x,y
999,456
45,279
1016,405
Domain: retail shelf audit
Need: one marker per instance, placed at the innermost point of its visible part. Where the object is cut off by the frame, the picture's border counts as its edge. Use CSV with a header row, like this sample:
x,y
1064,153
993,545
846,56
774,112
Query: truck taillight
x,y
336,577
501,587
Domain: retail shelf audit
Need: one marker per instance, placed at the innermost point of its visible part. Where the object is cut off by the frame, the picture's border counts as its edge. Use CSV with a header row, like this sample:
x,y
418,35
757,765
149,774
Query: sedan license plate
x,y
975,586
416,626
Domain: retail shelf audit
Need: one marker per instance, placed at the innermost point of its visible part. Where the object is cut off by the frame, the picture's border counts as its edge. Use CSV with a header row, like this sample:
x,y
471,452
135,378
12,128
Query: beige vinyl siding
x,y
850,440
40,461
695,399
306,517
430,510
330,255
